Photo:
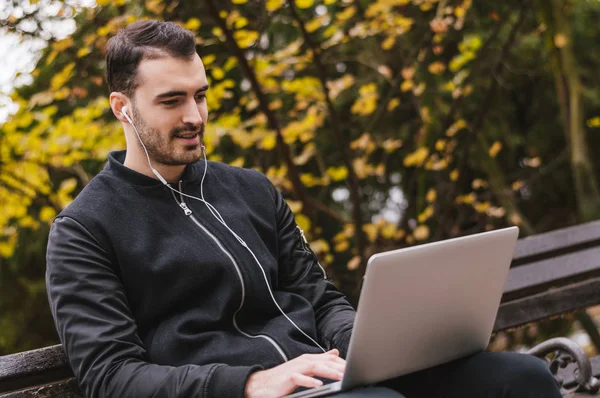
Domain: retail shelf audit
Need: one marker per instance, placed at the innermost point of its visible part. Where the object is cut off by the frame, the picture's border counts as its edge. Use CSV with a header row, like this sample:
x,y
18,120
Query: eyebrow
x,y
175,93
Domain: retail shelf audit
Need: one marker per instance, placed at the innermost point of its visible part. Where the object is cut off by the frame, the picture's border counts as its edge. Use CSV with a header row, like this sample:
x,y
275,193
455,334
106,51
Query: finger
x,y
340,367
323,370
300,380
330,358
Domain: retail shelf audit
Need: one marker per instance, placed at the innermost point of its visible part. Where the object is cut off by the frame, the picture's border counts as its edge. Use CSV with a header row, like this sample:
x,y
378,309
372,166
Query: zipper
x,y
304,244
188,212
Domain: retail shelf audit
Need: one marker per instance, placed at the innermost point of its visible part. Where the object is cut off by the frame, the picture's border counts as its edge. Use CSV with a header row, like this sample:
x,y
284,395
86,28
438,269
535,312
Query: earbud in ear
x,y
124,110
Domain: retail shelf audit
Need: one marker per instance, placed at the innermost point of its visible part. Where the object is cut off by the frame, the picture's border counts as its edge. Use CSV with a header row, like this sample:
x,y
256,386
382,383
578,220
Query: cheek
x,y
204,111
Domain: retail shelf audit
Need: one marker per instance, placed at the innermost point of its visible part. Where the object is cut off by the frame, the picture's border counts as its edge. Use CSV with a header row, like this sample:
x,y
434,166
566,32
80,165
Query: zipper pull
x,y
186,210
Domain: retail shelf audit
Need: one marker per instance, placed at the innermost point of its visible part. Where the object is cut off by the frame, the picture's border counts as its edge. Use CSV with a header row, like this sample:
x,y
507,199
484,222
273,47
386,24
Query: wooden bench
x,y
551,274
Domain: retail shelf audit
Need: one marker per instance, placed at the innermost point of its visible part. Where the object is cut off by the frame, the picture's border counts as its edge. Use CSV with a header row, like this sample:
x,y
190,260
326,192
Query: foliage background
x,y
386,123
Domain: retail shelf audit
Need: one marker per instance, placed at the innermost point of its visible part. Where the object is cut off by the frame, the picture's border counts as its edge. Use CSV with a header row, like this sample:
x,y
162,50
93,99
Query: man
x,y
154,295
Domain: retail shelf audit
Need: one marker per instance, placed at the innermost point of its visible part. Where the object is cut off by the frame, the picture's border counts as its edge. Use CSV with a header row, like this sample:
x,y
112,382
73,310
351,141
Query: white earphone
x,y
215,213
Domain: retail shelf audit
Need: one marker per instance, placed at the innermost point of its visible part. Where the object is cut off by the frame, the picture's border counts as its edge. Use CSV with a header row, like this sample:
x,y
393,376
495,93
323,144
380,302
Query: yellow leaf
x,y
240,22
208,59
82,52
440,145
517,185
303,222
456,127
353,263
436,68
47,214
320,246
345,15
466,199
416,158
388,42
390,145
371,231
239,1
315,23
594,122
431,195
560,40
239,162
482,207
342,246
393,104
277,104
245,38
337,173
274,5
454,175
408,73
407,85
495,148
421,232
496,212
192,24
388,231
478,183
385,71
295,205
400,234
268,143
304,3
367,102
217,73
426,214
308,152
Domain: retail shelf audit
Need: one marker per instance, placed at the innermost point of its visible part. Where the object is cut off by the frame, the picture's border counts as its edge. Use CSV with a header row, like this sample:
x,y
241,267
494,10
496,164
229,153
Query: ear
x,y
117,102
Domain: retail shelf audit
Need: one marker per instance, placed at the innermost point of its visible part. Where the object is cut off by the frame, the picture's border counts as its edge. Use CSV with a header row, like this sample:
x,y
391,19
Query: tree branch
x,y
273,122
352,179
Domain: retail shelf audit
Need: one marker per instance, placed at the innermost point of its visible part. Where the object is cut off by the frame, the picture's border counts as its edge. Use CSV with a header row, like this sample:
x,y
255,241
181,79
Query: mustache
x,y
188,129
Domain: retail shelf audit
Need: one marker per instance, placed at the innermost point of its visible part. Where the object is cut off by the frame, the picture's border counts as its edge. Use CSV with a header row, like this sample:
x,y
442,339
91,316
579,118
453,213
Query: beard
x,y
167,150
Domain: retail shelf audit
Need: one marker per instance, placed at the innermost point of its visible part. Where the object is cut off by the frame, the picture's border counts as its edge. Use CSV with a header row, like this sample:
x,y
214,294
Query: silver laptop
x,y
425,305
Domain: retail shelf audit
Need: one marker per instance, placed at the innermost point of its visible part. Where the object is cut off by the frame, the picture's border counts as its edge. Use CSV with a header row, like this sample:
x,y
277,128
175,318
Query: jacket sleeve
x,y
301,273
99,334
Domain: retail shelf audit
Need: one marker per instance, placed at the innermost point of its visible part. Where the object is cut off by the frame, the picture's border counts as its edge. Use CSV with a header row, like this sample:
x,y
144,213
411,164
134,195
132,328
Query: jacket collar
x,y
115,167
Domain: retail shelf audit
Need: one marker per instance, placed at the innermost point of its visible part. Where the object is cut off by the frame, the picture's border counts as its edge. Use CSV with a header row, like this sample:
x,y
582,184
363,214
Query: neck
x,y
136,160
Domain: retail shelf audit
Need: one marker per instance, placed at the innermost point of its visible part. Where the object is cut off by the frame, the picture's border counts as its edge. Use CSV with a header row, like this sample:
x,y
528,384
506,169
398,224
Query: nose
x,y
192,114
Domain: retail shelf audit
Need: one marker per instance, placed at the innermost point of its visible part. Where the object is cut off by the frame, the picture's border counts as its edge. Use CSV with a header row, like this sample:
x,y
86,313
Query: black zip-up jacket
x,y
153,297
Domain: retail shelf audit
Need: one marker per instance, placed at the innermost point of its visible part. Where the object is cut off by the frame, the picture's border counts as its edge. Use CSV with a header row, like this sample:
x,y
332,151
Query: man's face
x,y
169,108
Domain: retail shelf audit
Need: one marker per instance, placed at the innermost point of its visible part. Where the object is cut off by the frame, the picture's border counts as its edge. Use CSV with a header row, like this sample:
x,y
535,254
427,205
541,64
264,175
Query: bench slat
x,y
60,389
535,277
559,240
547,304
33,367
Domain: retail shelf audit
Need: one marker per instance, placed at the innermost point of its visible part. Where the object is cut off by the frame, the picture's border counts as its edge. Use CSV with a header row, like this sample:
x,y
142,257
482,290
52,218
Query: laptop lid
x,y
426,305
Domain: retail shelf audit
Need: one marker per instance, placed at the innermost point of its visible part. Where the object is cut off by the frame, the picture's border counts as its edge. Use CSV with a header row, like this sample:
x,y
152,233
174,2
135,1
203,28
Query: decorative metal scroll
x,y
565,352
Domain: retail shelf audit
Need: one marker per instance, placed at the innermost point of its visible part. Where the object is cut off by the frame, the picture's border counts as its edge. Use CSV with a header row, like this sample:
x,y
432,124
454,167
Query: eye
x,y
200,97
170,102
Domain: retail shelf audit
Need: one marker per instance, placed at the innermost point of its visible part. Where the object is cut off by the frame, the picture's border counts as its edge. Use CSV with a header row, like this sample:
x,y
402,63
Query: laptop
x,y
423,306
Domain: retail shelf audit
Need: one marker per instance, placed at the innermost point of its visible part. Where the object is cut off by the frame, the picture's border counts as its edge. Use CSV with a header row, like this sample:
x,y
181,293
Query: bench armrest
x,y
565,352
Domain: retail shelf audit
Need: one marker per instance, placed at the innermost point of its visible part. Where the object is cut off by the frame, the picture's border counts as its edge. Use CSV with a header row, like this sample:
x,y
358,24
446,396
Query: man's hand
x,y
283,379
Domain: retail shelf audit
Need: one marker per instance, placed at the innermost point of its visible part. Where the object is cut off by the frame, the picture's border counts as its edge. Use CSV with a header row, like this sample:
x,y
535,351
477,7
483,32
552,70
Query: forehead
x,y
167,73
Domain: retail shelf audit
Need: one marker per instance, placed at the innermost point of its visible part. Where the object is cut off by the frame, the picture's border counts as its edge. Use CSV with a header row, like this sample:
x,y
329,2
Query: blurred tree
x,y
386,123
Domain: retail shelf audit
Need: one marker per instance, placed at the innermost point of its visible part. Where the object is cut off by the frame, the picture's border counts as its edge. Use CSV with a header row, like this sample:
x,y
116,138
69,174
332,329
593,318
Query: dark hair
x,y
146,39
